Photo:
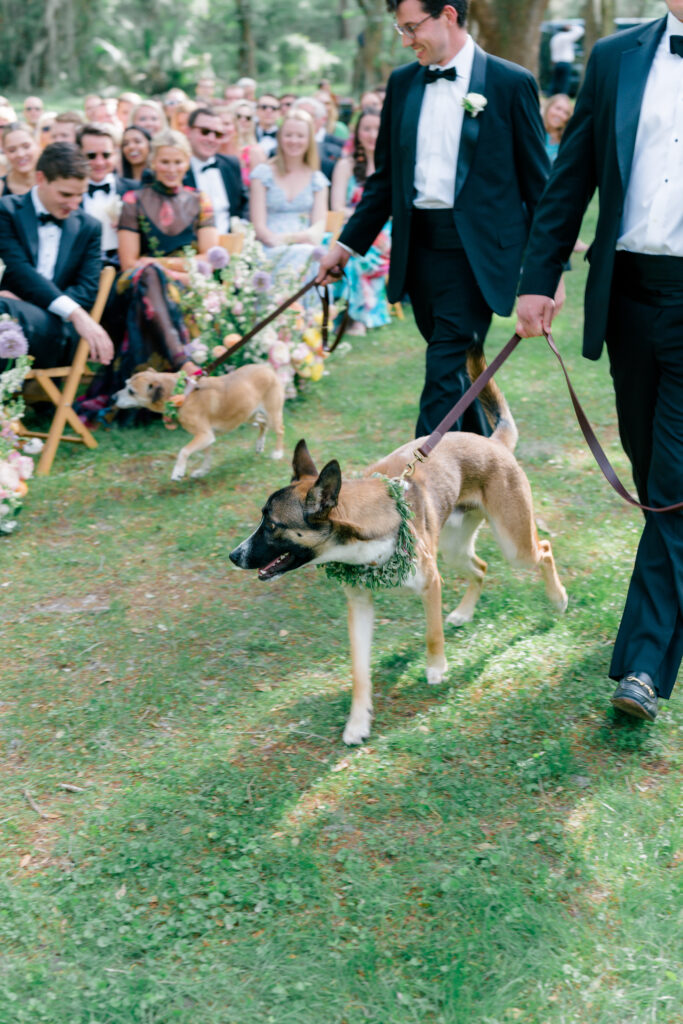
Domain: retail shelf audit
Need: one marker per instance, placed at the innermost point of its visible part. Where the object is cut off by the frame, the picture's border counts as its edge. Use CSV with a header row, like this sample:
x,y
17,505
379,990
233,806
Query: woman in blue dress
x,y
365,276
288,199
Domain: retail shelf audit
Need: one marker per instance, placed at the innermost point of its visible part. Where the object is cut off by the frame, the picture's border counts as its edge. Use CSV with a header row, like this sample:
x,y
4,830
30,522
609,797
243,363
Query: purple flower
x,y
261,281
13,341
204,268
318,253
218,257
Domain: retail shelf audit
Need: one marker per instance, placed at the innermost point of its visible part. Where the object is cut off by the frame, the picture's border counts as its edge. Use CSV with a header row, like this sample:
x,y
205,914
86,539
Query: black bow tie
x,y
676,45
49,218
92,188
207,166
434,75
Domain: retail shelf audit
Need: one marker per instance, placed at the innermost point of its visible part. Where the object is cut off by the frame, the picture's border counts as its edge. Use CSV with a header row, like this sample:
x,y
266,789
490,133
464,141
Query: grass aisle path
x,y
186,840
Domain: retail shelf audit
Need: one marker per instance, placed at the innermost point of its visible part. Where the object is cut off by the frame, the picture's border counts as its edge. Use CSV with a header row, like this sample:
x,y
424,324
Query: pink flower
x,y
213,303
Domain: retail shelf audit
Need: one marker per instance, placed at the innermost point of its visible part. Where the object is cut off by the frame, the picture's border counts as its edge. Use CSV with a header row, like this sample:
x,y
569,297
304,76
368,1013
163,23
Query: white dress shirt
x,y
652,220
438,133
210,181
49,237
101,205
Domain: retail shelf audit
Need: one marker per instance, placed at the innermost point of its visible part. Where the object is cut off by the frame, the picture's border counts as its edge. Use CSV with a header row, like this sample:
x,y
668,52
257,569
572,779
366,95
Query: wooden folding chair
x,y
334,223
232,243
62,400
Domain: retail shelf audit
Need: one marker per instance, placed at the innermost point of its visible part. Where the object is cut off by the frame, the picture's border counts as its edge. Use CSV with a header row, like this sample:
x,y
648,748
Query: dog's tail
x,y
492,400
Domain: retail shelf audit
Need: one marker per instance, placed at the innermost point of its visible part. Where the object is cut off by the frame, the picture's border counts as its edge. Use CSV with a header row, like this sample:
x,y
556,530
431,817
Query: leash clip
x,y
410,468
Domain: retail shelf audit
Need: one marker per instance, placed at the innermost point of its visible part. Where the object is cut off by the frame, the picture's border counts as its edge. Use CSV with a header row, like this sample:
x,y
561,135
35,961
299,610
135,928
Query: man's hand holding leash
x,y
535,313
332,264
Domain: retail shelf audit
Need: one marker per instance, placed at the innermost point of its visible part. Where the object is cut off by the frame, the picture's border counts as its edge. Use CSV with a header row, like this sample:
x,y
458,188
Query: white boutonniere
x,y
474,103
113,211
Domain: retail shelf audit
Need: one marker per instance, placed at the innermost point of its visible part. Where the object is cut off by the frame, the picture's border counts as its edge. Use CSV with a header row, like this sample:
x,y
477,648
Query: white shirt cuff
x,y
63,307
347,248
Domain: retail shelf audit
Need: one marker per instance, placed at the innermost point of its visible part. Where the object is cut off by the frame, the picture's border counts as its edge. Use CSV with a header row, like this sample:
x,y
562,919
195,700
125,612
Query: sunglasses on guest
x,y
244,117
205,132
267,106
92,156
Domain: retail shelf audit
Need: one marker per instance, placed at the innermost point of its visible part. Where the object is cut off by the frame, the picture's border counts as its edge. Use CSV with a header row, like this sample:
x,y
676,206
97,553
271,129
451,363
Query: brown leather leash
x,y
422,452
324,296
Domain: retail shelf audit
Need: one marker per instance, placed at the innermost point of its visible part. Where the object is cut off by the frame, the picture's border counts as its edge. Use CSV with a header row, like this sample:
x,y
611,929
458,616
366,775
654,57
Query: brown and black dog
x,y
319,518
252,393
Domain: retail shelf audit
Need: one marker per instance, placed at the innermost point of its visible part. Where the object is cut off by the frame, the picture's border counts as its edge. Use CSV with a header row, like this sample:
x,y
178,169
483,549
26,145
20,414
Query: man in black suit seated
x,y
52,255
218,176
104,186
267,113
460,165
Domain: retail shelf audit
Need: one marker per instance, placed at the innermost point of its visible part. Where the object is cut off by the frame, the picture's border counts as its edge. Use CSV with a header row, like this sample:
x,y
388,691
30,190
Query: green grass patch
x,y
184,836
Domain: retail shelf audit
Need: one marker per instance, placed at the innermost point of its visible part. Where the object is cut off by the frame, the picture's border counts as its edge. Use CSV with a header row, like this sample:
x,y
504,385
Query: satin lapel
x,y
634,67
471,125
408,133
28,225
69,235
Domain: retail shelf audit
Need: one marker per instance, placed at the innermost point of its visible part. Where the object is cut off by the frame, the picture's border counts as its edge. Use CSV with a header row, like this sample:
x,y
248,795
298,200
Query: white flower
x,y
113,210
33,446
474,103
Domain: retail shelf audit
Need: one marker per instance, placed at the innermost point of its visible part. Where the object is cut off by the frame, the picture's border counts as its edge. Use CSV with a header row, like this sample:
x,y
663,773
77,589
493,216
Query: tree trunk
x,y
247,54
368,70
509,28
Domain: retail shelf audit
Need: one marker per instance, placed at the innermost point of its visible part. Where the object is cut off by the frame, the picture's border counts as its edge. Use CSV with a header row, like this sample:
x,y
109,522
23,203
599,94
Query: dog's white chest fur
x,y
360,552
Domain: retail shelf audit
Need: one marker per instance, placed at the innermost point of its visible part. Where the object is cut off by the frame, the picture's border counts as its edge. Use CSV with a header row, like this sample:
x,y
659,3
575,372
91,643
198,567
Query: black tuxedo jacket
x,y
501,172
596,152
79,260
238,197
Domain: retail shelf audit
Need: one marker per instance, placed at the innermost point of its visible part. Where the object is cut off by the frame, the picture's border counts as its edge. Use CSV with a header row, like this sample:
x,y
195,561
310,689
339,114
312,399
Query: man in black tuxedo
x,y
267,114
460,165
104,186
624,139
218,176
51,250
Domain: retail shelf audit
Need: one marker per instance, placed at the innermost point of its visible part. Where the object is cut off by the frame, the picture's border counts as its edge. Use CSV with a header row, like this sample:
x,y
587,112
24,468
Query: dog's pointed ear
x,y
302,463
323,495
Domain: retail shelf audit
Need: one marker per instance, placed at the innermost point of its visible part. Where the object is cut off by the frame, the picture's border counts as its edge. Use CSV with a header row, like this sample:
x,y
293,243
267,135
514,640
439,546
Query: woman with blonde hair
x,y
22,152
288,203
249,152
148,114
157,223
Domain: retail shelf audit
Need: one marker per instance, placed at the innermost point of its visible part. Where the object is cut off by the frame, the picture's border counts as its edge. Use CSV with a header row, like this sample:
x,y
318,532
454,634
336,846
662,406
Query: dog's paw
x,y
177,474
357,728
436,675
458,618
260,445
561,602
277,455
201,471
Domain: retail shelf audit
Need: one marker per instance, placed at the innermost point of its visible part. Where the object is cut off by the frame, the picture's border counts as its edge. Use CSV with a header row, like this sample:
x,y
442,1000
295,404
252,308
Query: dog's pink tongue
x,y
277,564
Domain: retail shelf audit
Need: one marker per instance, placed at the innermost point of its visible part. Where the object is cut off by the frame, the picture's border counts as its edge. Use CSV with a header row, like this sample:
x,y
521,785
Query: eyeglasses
x,y
32,108
409,30
244,117
267,106
93,156
208,131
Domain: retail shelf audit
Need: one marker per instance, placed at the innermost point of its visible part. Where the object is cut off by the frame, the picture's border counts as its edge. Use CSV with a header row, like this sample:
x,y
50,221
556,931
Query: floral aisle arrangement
x,y
228,295
16,464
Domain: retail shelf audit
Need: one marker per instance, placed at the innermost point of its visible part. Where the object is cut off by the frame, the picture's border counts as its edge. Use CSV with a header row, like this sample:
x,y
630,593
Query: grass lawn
x,y
185,838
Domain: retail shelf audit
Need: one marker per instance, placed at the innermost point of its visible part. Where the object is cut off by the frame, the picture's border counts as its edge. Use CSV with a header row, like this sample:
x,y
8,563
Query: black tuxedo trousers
x,y
645,345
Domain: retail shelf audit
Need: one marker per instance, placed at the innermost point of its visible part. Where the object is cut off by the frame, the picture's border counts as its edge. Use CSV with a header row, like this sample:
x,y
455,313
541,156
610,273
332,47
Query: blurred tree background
x,y
76,46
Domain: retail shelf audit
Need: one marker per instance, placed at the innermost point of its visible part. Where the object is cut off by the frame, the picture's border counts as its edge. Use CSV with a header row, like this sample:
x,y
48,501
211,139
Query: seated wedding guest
x,y
170,101
556,112
205,89
7,115
33,109
22,152
93,105
124,105
249,87
65,126
333,126
289,194
44,128
232,93
329,147
365,276
267,114
286,103
228,145
158,221
148,115
135,153
218,177
104,185
181,115
249,152
51,250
